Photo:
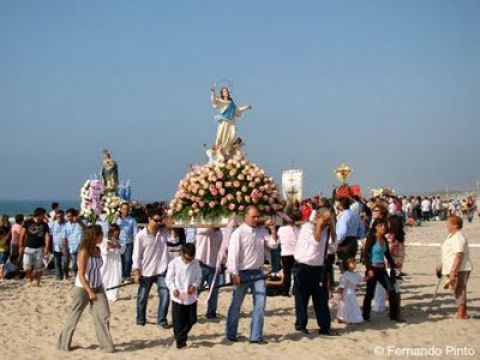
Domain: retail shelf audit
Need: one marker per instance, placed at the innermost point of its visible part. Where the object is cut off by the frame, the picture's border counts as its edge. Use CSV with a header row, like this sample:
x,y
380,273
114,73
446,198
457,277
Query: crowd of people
x,y
316,236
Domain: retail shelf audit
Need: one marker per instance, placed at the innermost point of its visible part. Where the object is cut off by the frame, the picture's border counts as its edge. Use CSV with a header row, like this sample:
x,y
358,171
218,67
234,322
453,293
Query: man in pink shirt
x,y
208,242
150,262
245,260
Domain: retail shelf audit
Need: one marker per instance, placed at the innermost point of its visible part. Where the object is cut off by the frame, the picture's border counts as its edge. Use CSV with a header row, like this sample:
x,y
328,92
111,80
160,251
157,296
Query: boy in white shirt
x,y
184,275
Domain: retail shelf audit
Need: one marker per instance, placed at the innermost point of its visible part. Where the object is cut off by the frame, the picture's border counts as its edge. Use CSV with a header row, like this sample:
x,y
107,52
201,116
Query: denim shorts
x,y
33,259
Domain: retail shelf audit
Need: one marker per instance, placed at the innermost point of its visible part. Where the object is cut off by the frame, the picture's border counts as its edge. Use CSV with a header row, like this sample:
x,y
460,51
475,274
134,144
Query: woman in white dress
x,y
112,249
229,113
349,310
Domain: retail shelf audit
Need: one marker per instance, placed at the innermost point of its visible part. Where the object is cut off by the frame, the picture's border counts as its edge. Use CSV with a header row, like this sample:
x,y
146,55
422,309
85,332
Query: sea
x,y
26,207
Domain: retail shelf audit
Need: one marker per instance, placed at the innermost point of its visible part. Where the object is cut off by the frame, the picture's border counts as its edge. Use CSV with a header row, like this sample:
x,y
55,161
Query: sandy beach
x,y
31,318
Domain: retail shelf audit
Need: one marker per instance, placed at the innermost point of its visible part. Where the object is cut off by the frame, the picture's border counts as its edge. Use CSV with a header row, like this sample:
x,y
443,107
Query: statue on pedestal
x,y
109,173
225,142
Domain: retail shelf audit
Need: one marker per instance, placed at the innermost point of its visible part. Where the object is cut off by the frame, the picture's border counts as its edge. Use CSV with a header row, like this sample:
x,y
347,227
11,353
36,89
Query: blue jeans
x,y
163,299
275,259
61,265
307,281
127,261
73,260
207,277
258,293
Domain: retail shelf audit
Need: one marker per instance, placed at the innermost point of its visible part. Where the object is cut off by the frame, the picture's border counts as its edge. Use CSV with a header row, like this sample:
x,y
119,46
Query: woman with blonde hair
x,y
88,289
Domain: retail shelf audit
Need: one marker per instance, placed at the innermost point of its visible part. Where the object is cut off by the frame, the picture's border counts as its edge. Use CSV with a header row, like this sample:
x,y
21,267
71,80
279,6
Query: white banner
x,y
292,184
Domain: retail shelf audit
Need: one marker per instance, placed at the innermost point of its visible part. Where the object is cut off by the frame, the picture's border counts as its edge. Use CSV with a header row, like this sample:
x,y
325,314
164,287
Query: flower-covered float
x,y
102,199
210,194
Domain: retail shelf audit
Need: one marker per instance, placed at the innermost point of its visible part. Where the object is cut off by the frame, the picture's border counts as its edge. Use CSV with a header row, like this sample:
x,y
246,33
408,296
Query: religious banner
x,y
292,184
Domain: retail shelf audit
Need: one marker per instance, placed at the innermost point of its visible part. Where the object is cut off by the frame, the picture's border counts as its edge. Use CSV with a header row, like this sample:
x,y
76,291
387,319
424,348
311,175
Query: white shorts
x,y
33,259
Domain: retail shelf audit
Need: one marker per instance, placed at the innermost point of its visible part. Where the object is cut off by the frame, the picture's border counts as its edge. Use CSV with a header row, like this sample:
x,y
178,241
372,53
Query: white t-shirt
x,y
426,205
454,244
392,209
288,235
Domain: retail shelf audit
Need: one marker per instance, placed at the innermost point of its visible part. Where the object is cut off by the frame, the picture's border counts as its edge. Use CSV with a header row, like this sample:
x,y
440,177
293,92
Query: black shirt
x,y
35,233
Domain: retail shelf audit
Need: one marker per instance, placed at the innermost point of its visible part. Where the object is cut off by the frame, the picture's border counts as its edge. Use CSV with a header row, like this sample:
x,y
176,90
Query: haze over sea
x,y
26,207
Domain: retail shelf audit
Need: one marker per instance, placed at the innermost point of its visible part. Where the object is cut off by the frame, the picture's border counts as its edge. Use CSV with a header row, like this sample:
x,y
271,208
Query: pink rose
x,y
230,197
196,211
255,195
223,192
232,172
201,192
241,177
261,188
223,202
244,189
241,208
247,199
228,184
212,204
236,183
231,207
201,204
219,185
194,205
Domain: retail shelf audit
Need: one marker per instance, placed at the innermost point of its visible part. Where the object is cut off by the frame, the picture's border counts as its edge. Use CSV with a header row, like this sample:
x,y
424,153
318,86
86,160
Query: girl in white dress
x,y
112,249
349,310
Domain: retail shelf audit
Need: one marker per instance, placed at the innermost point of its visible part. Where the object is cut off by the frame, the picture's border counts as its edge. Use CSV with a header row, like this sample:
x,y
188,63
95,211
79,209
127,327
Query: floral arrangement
x,y
224,188
92,203
111,207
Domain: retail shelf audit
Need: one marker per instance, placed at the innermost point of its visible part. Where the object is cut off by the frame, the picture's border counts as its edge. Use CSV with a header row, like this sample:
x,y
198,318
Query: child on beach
x,y
184,275
112,249
349,310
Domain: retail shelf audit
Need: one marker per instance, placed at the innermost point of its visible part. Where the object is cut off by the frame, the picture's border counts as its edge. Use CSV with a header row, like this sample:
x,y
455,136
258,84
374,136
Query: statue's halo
x,y
219,84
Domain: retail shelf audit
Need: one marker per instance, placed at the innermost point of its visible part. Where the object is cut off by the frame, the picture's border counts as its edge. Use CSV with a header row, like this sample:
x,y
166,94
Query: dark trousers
x,y
330,275
61,265
183,318
127,261
348,248
307,281
275,261
380,275
287,264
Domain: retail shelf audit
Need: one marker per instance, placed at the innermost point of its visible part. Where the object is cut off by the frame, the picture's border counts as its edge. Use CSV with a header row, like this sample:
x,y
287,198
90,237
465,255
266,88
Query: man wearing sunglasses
x,y
150,261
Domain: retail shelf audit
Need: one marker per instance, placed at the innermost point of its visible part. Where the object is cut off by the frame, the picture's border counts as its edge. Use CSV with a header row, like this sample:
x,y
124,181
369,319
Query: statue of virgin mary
x,y
229,113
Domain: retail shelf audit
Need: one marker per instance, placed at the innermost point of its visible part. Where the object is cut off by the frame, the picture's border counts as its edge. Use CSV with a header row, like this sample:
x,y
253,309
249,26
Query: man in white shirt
x,y
208,242
309,276
150,261
246,255
426,209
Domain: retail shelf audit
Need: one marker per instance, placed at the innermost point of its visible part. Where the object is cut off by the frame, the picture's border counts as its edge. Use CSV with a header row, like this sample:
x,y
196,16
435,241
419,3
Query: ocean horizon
x,y
26,207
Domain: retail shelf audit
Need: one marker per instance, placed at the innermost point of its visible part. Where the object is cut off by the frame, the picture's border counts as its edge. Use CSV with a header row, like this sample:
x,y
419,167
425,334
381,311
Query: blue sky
x,y
391,88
